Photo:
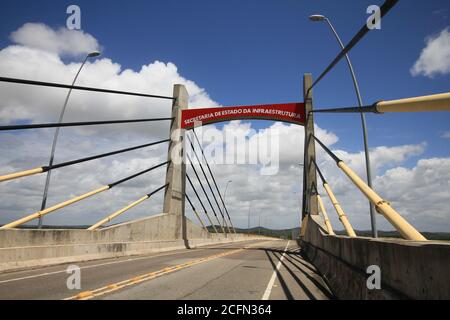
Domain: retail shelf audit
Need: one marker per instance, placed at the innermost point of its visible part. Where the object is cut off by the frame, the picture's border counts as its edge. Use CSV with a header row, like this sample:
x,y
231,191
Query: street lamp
x,y
55,137
300,199
225,196
249,210
259,229
300,204
319,18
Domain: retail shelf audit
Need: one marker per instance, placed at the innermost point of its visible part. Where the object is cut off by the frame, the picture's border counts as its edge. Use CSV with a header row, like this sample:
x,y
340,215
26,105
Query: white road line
x,y
109,263
266,295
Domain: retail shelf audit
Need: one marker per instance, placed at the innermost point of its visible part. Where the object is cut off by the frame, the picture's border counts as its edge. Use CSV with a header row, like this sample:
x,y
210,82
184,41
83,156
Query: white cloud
x,y
381,157
62,41
435,57
446,135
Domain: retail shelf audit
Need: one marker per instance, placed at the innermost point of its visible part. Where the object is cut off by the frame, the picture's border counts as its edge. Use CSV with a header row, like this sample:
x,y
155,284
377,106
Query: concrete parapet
x,y
409,269
32,248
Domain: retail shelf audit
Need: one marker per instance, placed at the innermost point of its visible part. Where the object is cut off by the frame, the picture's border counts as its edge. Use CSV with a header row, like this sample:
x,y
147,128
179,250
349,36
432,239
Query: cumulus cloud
x,y
62,41
435,57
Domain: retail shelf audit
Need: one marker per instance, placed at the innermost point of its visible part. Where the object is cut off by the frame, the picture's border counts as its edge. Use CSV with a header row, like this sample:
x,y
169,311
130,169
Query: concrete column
x,y
176,170
310,204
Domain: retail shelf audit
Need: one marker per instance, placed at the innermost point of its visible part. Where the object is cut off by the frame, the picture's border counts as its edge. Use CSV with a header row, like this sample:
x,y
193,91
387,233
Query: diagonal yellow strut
x,y
54,208
342,216
402,226
117,213
325,216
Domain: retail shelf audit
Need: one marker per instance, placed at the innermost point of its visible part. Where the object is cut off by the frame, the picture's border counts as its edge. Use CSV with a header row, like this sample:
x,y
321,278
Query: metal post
x,y
249,208
259,230
364,128
224,209
55,140
225,195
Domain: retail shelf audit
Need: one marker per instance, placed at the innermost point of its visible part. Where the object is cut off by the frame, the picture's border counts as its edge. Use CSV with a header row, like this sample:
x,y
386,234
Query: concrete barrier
x,y
409,269
21,248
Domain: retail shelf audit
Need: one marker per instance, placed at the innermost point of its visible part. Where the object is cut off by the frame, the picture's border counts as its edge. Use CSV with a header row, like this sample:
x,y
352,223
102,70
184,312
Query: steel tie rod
x,y
65,86
30,172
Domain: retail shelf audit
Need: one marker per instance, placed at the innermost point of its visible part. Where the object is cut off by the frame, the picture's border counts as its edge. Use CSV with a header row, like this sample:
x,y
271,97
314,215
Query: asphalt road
x,y
252,270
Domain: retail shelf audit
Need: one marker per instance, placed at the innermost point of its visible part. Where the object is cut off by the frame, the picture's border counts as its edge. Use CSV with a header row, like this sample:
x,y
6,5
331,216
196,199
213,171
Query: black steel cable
x,y
76,124
65,86
385,8
204,191
201,203
363,109
73,162
206,177
196,193
212,175
331,154
157,190
320,172
190,202
111,185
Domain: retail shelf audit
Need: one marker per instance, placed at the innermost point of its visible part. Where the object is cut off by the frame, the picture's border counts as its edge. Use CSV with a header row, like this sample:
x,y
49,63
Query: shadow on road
x,y
304,275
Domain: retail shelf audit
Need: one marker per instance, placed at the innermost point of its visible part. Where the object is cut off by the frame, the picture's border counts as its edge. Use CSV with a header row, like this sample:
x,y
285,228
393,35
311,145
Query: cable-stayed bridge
x,y
168,256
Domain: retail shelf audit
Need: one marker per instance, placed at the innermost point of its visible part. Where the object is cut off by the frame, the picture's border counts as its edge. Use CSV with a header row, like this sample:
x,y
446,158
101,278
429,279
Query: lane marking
x,y
268,291
112,262
145,277
86,295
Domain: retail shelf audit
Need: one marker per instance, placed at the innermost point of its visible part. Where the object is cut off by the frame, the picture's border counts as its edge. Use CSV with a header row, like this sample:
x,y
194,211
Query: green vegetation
x,y
288,234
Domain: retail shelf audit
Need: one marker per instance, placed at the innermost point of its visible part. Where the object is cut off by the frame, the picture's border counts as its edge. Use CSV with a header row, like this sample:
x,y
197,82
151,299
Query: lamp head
x,y
317,17
94,54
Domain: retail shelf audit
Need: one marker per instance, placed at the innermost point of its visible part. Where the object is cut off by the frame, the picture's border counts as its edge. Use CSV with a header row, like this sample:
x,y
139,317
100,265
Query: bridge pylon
x,y
174,199
310,204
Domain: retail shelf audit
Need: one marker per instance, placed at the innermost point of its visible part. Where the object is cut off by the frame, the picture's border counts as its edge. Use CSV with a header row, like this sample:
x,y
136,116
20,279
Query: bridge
x,y
168,256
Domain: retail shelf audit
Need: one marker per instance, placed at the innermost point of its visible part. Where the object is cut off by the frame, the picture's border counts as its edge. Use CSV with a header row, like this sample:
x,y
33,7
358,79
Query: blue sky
x,y
252,52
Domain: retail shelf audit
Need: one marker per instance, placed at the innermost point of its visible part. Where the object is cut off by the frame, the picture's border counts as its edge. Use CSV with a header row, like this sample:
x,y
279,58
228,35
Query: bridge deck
x,y
243,271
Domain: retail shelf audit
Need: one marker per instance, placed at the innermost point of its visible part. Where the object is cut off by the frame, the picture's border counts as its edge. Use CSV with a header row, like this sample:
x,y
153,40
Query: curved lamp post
x,y
225,195
55,137
319,18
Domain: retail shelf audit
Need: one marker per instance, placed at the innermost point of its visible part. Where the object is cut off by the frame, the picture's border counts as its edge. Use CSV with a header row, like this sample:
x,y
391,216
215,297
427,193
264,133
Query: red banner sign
x,y
285,112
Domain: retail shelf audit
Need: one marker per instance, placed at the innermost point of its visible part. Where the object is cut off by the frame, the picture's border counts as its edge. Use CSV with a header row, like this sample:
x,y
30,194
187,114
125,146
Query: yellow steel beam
x,y
402,226
304,226
436,102
51,209
201,222
21,174
342,216
325,216
117,213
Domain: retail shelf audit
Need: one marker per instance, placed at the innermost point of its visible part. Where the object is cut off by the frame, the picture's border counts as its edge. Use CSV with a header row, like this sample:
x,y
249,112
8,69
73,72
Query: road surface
x,y
252,270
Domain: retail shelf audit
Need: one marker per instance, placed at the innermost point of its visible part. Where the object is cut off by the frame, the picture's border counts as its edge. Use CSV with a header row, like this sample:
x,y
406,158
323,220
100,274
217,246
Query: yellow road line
x,y
145,277
86,295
